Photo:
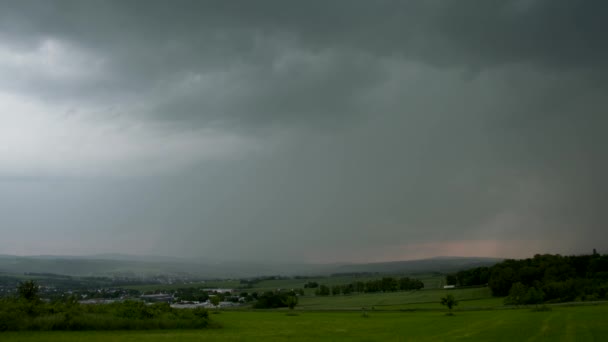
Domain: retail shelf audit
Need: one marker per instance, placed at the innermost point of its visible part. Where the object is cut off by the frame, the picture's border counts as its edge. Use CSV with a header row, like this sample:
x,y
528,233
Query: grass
x,y
577,323
424,299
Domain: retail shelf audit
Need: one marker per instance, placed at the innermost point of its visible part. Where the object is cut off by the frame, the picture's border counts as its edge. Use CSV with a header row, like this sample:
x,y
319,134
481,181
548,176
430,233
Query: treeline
x,y
53,285
28,312
543,278
251,282
386,284
276,299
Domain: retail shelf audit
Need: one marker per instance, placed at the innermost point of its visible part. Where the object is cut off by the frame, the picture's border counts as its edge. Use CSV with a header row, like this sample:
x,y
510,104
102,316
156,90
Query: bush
x,y
271,300
130,315
449,301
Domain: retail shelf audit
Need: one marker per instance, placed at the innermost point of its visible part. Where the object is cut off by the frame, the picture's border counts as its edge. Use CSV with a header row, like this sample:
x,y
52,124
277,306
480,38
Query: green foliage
x,y
471,277
191,294
276,299
20,314
336,290
549,278
534,296
385,284
412,300
521,294
578,323
323,290
449,301
215,300
451,279
517,294
291,302
28,290
311,285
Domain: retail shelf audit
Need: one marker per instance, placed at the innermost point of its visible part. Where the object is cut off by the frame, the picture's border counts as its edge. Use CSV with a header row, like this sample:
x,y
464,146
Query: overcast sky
x,y
310,131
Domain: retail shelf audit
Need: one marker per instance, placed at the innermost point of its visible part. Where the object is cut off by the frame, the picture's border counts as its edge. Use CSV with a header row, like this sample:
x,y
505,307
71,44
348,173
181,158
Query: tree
x,y
215,300
336,289
291,302
534,296
517,294
275,299
451,279
347,289
323,290
28,290
449,301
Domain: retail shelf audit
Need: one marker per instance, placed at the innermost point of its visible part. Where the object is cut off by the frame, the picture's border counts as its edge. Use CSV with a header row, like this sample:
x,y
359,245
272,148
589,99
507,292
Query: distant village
x,y
105,290
224,299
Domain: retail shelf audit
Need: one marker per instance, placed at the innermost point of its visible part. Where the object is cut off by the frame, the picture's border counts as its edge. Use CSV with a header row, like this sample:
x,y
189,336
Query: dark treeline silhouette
x,y
276,299
386,284
311,285
543,278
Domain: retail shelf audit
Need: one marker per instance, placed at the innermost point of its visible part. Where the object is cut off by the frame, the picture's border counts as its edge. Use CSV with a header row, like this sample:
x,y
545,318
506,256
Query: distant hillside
x,y
438,264
129,266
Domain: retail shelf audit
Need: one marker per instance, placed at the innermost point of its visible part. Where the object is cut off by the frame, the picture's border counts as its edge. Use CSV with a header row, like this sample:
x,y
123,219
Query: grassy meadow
x,y
574,323
423,299
390,316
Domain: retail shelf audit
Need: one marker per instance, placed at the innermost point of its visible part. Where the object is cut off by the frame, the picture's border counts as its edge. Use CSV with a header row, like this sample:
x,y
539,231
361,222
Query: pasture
x,y
423,299
562,323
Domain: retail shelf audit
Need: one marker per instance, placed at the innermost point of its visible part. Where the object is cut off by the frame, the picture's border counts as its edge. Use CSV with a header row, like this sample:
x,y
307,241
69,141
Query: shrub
x,y
22,315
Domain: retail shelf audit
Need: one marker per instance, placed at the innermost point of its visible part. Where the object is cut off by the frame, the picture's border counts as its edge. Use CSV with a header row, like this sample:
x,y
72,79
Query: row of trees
x,y
543,278
386,284
276,299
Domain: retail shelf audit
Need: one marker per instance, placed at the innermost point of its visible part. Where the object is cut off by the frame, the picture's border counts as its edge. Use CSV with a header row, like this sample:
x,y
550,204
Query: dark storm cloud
x,y
147,46
345,125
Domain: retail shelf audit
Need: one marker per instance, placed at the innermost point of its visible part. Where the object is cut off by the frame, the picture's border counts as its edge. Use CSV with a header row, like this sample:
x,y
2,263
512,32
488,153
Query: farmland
x,y
389,312
580,323
424,299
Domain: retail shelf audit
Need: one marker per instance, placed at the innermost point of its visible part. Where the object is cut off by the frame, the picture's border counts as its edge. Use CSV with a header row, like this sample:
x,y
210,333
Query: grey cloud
x,y
380,124
293,90
145,45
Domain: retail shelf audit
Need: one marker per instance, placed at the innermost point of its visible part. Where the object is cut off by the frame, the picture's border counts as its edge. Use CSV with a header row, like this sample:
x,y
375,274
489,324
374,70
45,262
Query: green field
x,y
423,299
577,323
396,316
